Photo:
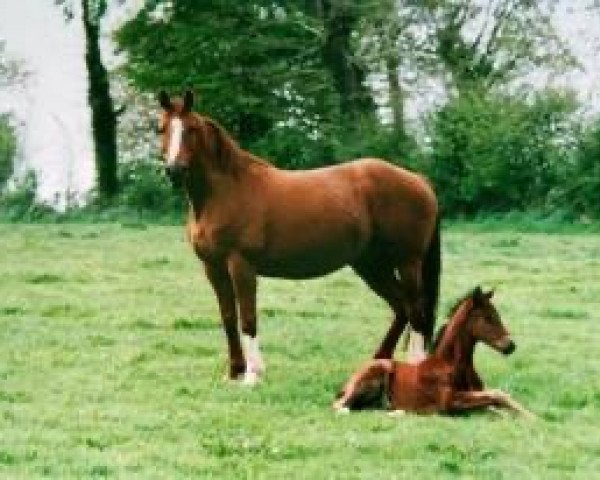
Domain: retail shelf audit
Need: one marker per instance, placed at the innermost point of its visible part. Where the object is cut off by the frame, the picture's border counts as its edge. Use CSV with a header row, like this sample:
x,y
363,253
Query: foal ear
x,y
478,296
188,101
164,100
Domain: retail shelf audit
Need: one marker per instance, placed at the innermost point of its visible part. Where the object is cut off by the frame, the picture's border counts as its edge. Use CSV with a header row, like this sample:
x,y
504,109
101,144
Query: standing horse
x,y
444,382
248,219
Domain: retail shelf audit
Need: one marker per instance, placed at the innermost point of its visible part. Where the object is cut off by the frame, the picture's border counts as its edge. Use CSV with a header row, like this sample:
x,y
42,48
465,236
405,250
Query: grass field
x,y
112,359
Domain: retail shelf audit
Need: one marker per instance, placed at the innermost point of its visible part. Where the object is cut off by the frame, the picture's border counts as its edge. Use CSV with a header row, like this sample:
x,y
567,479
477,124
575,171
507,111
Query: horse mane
x,y
227,155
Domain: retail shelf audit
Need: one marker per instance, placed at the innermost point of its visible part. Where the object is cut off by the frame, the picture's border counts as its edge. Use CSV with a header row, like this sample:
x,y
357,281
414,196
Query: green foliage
x,y
8,146
144,187
493,153
19,202
256,65
582,180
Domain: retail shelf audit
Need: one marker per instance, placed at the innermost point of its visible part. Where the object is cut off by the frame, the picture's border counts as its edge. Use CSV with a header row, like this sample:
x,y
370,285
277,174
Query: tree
x,y
255,64
485,44
104,114
340,19
12,73
8,146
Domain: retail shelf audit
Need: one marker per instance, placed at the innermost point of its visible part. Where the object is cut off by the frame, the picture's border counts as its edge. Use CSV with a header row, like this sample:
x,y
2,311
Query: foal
x,y
446,381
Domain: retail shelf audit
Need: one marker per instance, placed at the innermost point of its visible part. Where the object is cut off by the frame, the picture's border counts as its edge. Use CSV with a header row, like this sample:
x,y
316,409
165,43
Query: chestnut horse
x,y
248,219
446,381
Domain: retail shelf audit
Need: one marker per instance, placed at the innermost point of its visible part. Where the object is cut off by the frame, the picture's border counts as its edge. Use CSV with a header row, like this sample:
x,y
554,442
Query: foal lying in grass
x,y
444,382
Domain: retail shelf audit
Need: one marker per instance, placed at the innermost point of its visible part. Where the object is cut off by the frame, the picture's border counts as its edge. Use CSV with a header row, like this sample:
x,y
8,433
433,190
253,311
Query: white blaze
x,y
174,140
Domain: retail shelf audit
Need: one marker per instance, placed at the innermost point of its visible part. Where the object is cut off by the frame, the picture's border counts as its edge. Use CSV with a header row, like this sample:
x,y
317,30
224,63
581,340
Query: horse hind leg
x,y
410,275
380,278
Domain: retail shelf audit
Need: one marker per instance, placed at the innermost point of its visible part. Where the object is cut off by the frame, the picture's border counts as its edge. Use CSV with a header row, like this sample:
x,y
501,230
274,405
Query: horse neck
x,y
220,168
457,345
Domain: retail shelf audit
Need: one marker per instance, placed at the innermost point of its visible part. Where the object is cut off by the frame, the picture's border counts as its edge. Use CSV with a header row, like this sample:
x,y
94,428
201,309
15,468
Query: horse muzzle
x,y
176,174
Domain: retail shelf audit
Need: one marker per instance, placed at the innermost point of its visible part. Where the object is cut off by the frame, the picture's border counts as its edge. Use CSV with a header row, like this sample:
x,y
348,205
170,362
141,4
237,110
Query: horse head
x,y
177,122
189,139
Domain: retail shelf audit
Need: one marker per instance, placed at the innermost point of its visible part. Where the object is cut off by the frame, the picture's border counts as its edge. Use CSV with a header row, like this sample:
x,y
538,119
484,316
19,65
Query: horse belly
x,y
306,263
311,251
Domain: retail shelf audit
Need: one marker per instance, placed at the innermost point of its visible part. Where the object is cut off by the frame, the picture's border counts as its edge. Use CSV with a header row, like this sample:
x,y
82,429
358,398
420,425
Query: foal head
x,y
484,323
476,319
176,128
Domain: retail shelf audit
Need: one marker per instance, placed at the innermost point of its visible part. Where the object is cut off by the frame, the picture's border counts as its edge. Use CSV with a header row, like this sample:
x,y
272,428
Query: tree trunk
x,y
104,118
348,77
396,97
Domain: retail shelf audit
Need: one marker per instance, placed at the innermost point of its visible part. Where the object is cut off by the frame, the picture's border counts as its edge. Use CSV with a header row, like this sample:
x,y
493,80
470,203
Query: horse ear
x,y
490,294
188,100
164,100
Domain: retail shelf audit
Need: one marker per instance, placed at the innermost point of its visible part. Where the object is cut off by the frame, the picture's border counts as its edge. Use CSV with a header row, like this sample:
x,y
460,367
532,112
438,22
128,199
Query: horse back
x,y
402,205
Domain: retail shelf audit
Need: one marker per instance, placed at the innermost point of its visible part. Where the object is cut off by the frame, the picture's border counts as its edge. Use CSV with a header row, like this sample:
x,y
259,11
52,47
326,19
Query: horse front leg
x,y
243,276
220,280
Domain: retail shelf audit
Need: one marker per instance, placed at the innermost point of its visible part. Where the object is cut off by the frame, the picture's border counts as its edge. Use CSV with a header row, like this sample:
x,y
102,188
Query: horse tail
x,y
431,270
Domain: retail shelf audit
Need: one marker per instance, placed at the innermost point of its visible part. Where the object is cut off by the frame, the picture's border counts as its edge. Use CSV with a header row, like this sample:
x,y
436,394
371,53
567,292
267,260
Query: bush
x,y
492,153
294,149
582,180
145,188
291,148
19,202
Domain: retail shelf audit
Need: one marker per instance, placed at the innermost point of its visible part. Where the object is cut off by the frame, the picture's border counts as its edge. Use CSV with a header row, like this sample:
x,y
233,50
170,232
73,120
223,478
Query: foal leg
x,y
487,398
221,282
506,401
474,381
243,276
367,382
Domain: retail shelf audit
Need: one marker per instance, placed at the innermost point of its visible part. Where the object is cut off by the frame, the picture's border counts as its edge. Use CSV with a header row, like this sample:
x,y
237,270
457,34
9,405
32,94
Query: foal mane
x,y
458,314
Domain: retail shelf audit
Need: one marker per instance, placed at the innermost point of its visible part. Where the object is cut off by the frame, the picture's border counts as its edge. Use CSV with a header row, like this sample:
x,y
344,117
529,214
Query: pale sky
x,y
52,110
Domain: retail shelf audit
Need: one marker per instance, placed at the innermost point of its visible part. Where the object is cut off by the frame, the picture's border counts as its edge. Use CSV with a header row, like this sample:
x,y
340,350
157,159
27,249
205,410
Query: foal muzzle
x,y
505,345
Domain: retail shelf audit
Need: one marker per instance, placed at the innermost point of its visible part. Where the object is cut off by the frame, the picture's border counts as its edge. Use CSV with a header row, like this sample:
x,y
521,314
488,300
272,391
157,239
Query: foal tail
x,y
432,266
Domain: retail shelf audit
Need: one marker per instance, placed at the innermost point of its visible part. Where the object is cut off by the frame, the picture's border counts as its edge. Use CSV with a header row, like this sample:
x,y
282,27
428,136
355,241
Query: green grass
x,y
112,359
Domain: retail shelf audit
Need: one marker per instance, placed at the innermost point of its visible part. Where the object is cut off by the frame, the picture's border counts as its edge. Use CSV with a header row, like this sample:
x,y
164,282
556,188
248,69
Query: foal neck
x,y
457,345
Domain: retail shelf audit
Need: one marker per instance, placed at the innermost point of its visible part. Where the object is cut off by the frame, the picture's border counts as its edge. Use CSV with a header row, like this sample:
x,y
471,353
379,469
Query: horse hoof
x,y
251,378
233,378
342,410
396,413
